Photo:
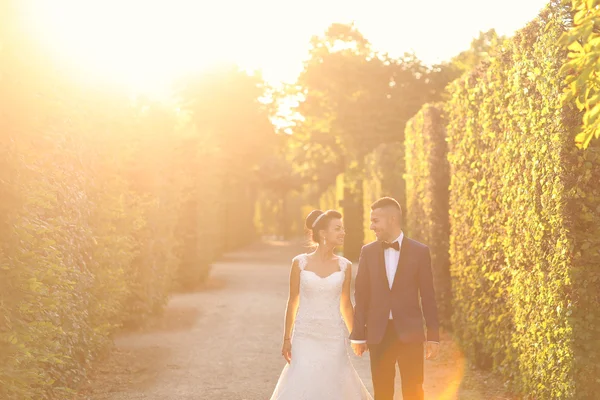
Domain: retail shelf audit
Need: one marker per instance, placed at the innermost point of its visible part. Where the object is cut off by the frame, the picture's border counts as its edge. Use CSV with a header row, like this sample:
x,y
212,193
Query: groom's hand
x,y
359,348
432,350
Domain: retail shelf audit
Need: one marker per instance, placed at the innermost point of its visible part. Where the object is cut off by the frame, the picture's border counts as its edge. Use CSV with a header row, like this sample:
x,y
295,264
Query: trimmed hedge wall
x,y
84,250
525,220
105,205
427,179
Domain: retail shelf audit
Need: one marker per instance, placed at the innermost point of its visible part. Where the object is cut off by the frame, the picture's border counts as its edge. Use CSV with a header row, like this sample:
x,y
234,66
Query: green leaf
x,y
576,47
577,19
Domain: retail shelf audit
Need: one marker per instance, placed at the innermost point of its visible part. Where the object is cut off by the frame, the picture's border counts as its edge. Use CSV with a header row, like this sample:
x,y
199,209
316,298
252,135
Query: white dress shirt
x,y
392,256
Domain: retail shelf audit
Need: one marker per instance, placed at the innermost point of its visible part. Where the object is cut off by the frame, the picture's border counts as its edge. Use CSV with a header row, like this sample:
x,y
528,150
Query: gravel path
x,y
224,343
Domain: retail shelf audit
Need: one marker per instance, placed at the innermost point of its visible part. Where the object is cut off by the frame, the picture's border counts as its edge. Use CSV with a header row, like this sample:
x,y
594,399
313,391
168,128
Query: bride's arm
x,y
346,302
293,301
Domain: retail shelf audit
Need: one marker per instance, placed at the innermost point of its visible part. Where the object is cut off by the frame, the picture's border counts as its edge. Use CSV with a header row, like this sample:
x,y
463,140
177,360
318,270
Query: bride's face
x,y
335,233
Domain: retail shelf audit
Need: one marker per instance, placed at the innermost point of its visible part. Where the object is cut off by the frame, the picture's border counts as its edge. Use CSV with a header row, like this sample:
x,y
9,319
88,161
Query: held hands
x,y
359,348
286,350
432,350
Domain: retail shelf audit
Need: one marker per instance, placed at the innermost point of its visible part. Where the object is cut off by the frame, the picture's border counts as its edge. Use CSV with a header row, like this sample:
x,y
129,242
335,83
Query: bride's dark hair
x,y
322,220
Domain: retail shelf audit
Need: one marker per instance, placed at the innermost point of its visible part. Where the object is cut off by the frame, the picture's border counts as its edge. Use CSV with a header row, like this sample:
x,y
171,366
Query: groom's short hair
x,y
388,202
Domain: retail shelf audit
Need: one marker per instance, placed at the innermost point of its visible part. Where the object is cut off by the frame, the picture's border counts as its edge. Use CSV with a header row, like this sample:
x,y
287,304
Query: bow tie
x,y
388,245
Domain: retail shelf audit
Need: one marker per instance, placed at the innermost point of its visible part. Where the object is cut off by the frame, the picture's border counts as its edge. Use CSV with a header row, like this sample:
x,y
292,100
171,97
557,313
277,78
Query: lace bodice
x,y
319,309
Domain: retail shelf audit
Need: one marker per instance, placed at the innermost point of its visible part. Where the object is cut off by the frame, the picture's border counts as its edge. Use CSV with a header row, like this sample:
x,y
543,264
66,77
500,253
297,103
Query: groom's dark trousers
x,y
408,357
410,298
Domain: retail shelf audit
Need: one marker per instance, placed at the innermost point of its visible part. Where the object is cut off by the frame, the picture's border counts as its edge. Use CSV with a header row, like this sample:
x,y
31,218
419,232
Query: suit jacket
x,y
411,298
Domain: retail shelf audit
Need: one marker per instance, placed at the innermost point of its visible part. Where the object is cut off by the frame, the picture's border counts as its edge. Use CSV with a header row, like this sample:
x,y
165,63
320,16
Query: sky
x,y
435,30
145,44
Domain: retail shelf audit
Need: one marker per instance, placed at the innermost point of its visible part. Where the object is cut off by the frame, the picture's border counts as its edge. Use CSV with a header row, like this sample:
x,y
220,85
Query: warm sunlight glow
x,y
141,44
146,44
452,384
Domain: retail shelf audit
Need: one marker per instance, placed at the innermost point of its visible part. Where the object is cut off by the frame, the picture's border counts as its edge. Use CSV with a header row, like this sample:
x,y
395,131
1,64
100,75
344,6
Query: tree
x,y
235,136
482,48
225,106
352,99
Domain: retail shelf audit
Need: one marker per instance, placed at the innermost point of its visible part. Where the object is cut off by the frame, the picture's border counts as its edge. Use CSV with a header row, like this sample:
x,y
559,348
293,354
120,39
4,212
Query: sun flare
x,y
142,45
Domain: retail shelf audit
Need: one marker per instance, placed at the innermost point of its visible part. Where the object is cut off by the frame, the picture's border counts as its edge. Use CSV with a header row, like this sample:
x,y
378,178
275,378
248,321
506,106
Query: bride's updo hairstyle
x,y
318,220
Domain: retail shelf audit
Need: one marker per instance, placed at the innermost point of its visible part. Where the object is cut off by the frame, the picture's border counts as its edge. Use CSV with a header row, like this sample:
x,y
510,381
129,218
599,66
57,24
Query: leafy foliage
x,y
524,242
282,192
353,99
106,203
384,167
483,49
225,107
427,180
583,67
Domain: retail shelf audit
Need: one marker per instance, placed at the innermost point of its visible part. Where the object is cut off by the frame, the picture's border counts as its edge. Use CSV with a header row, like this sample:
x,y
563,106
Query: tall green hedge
x,y
427,179
525,238
105,203
199,228
83,251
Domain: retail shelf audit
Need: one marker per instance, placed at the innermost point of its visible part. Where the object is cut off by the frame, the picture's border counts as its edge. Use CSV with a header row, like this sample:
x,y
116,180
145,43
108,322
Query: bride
x,y
318,365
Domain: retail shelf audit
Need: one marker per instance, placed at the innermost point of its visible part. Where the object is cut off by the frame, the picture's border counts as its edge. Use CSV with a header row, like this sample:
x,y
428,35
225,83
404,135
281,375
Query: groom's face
x,y
382,223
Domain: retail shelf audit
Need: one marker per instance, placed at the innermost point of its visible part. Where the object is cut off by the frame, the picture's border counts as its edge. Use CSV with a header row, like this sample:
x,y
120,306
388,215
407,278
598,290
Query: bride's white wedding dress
x,y
320,368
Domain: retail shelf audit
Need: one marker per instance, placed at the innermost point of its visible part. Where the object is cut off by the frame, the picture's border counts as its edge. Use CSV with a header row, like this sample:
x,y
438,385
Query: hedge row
x,y
88,243
105,205
525,219
427,178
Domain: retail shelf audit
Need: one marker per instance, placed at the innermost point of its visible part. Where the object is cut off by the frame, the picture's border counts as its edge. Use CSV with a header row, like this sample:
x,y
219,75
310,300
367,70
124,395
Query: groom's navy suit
x,y
395,337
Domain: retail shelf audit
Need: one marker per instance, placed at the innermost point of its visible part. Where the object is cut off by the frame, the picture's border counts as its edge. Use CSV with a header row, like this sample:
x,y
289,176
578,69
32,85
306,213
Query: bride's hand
x,y
286,350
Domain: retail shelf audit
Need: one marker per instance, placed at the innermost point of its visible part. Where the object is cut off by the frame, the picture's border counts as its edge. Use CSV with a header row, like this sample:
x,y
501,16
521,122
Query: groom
x,y
394,291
